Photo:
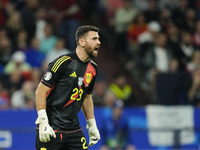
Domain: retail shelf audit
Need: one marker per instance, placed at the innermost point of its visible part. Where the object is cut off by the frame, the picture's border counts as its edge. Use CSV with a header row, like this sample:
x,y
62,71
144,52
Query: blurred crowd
x,y
158,41
32,34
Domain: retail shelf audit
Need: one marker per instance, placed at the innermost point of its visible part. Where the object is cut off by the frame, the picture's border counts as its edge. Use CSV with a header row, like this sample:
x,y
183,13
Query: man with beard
x,y
65,88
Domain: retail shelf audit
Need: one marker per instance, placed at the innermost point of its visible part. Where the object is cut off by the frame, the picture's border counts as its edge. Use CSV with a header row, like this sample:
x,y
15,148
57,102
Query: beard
x,y
90,51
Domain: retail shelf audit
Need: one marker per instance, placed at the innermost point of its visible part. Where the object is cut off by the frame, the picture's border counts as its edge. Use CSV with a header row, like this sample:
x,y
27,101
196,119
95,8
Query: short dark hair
x,y
82,30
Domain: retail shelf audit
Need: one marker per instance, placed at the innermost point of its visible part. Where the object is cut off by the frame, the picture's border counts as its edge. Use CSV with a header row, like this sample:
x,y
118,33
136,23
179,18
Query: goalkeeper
x,y
64,89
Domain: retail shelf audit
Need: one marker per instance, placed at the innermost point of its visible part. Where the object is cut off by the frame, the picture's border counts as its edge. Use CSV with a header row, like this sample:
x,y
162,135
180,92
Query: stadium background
x,y
33,32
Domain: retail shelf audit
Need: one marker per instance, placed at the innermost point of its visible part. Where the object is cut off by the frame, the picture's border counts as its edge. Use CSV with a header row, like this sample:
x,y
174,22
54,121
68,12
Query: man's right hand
x,y
45,130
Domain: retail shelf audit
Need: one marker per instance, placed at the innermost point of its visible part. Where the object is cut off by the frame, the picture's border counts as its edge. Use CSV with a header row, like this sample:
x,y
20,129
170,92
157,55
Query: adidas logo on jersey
x,y
73,74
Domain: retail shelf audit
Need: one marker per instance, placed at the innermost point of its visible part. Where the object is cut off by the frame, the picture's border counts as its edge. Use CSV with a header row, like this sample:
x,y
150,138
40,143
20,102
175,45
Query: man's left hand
x,y
93,132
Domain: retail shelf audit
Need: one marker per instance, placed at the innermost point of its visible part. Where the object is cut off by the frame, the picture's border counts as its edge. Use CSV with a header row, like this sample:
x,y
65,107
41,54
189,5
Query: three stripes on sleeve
x,y
59,62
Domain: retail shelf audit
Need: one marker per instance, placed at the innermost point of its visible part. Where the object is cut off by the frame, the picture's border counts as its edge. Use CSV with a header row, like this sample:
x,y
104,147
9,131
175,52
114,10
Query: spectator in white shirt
x,y
24,98
40,23
57,51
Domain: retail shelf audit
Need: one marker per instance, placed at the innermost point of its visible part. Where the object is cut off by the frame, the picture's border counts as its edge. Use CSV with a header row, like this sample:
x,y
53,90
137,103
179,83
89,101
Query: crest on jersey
x,y
88,77
80,81
47,76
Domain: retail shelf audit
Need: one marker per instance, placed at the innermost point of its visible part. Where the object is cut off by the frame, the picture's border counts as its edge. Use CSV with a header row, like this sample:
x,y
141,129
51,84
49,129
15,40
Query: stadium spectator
x,y
173,66
149,35
33,55
112,6
99,91
115,130
14,25
146,39
190,20
197,8
194,91
157,59
196,36
124,15
3,32
57,51
159,55
142,5
135,29
12,82
9,9
121,89
168,4
195,61
41,17
48,43
5,50
173,36
28,17
152,13
165,19
123,18
24,98
35,76
17,62
68,17
4,98
109,99
21,41
179,13
94,11
185,49
2,15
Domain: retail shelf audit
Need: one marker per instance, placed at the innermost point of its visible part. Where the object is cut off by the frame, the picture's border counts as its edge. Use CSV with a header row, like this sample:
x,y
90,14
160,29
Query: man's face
x,y
186,38
92,44
117,112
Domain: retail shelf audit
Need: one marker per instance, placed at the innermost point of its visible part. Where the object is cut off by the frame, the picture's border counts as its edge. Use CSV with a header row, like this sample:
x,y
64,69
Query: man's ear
x,y
81,42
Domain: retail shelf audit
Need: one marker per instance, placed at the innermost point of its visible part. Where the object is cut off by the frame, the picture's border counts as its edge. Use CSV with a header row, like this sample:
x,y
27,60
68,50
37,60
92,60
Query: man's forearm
x,y
40,101
88,108
40,96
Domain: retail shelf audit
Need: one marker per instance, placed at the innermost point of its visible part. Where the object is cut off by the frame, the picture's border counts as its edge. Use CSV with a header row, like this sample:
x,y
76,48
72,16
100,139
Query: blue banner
x,y
17,129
